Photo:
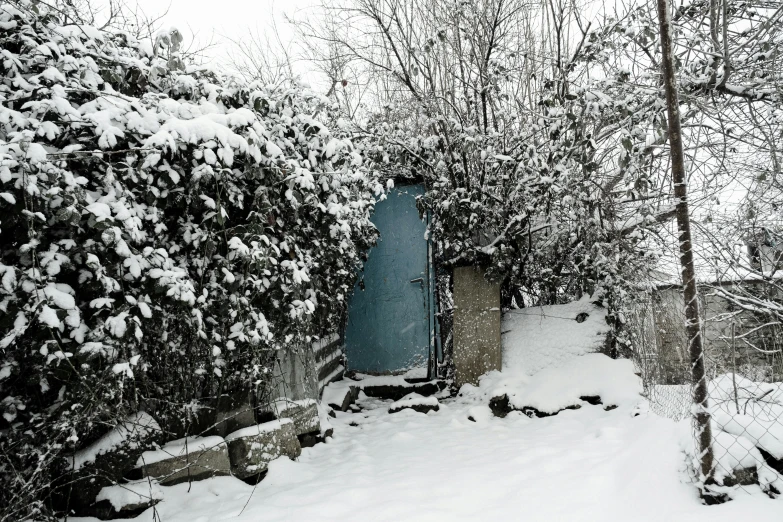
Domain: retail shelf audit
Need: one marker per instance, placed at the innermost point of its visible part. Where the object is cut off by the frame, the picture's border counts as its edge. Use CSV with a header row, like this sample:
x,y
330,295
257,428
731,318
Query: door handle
x,y
420,280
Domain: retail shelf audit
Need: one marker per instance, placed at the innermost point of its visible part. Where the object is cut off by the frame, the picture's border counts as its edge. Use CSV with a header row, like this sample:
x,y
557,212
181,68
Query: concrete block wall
x,y
718,315
295,375
671,337
303,373
329,360
477,348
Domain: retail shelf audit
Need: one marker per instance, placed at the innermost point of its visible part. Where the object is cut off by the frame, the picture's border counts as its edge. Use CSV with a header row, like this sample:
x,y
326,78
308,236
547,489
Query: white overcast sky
x,y
227,18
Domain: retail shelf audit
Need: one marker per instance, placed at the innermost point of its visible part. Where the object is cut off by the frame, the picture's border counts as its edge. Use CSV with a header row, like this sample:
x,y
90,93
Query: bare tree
x,y
261,55
692,316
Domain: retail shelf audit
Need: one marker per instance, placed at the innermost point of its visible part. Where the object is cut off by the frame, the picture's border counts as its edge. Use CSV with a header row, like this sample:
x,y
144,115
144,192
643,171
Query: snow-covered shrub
x,y
163,232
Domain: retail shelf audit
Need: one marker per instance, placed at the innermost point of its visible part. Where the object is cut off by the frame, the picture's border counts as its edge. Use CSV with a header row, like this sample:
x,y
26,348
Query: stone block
x,y
126,500
742,477
197,420
500,406
183,460
233,412
340,395
252,449
303,413
295,375
772,462
421,408
308,440
396,392
534,412
103,463
595,400
477,345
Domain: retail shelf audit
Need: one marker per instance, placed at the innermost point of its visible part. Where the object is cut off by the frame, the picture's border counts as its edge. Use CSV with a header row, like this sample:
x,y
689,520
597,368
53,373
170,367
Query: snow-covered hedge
x,y
163,232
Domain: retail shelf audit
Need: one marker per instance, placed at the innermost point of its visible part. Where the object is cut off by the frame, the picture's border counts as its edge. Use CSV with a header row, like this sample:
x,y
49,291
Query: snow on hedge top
x,y
136,427
181,447
730,392
544,336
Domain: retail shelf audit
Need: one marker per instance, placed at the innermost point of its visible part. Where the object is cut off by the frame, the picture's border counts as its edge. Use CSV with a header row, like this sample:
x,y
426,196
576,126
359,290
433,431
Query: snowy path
x,y
580,465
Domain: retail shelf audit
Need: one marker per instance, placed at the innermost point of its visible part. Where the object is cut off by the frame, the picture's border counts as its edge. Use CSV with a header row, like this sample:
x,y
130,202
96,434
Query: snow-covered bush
x,y
164,231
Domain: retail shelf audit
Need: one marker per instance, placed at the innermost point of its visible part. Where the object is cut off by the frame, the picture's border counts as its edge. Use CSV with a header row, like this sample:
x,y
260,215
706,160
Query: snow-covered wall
x,y
543,336
552,361
302,374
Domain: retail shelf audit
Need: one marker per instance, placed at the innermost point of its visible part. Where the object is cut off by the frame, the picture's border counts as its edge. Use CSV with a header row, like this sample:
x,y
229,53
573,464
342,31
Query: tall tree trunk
x,y
692,322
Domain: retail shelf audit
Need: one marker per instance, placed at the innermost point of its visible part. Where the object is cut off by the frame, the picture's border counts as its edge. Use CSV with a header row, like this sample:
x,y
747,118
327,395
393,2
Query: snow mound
x,y
587,466
413,399
749,409
180,447
131,494
335,392
136,427
537,338
558,387
416,373
734,453
766,434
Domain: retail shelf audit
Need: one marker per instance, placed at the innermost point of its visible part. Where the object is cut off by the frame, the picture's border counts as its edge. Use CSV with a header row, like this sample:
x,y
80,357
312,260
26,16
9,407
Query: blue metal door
x,y
389,315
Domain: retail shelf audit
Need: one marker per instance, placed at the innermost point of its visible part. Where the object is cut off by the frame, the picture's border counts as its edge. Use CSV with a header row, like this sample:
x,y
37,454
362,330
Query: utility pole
x,y
692,321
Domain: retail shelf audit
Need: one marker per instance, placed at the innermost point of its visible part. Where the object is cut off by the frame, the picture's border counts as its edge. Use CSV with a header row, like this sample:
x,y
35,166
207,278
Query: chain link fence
x,y
743,351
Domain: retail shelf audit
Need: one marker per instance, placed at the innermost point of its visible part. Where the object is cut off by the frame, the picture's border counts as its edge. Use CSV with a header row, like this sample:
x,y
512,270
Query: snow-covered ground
x,y
579,465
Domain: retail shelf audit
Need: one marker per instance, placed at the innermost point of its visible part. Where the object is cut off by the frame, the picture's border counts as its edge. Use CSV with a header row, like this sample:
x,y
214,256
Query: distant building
x,y
738,334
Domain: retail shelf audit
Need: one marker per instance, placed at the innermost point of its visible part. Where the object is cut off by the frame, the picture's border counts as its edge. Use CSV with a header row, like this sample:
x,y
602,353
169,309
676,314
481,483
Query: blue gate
x,y
390,316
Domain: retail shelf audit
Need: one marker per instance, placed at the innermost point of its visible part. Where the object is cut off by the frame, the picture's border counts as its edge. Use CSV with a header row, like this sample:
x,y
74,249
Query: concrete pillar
x,y
476,325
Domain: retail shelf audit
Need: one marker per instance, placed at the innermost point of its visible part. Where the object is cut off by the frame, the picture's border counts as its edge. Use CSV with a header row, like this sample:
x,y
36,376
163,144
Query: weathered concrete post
x,y
476,325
